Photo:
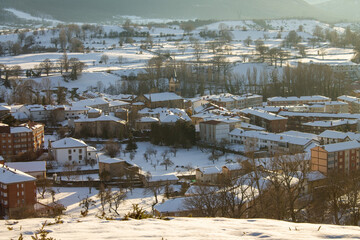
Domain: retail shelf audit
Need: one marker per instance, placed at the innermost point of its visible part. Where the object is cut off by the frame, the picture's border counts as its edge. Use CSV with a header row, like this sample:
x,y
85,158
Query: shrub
x,y
137,213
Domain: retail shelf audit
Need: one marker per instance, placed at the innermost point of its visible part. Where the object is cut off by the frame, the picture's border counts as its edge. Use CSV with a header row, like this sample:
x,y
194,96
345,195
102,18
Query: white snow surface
x,y
181,228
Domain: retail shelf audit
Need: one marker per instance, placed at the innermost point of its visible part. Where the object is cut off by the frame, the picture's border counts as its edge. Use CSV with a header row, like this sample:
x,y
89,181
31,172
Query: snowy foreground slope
x,y
180,228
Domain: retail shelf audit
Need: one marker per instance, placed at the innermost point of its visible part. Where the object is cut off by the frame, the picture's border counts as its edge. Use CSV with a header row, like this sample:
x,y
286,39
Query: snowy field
x,y
192,158
180,228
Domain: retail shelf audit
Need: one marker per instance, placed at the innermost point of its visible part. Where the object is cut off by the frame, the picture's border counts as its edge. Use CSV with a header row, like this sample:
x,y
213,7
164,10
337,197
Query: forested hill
x,y
102,10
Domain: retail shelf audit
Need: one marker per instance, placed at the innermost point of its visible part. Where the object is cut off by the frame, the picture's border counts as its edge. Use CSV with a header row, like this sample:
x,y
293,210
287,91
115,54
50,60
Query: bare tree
x,y
117,199
47,65
248,41
21,37
167,163
198,50
69,170
206,201
76,67
62,39
112,148
104,58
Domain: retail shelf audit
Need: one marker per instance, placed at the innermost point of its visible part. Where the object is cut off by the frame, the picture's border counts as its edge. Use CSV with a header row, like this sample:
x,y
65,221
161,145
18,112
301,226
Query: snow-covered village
x,y
153,127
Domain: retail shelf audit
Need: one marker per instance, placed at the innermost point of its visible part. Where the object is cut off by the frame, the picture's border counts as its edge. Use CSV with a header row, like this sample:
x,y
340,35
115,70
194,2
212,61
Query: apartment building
x,y
21,139
17,192
293,101
343,157
353,102
270,121
229,101
214,131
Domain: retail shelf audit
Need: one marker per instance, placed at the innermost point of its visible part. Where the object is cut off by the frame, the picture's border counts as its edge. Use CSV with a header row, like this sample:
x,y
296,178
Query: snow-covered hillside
x,y
180,228
91,227
134,59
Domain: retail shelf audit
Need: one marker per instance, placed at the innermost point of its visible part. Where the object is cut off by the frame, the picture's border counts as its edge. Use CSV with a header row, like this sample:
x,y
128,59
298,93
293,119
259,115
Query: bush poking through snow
x,y
40,234
86,203
137,213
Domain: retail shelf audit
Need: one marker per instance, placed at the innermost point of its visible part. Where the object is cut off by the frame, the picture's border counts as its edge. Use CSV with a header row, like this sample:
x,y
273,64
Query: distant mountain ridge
x,y
95,10
343,9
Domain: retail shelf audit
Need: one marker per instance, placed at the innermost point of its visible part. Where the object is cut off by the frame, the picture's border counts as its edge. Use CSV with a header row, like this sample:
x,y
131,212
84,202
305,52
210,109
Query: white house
x,y
214,131
71,150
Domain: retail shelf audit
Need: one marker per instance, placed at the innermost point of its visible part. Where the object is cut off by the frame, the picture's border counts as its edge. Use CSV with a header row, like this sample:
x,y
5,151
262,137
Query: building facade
x,y
342,157
71,151
17,192
21,139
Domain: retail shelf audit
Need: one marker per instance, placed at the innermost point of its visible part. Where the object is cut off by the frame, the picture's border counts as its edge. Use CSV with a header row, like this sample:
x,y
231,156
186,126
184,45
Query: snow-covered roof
x,y
20,130
302,98
4,108
15,108
330,123
90,102
124,97
167,177
315,176
117,103
273,109
102,118
251,126
335,103
347,98
171,118
324,115
36,166
210,170
115,160
75,108
147,119
165,96
20,115
172,205
261,135
68,143
94,110
91,149
262,114
300,134
233,166
267,162
333,134
228,97
9,175
336,147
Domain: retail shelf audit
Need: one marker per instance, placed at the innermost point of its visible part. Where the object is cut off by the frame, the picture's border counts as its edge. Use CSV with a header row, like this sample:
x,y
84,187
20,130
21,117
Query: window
x,y
70,158
69,151
80,150
80,157
74,150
